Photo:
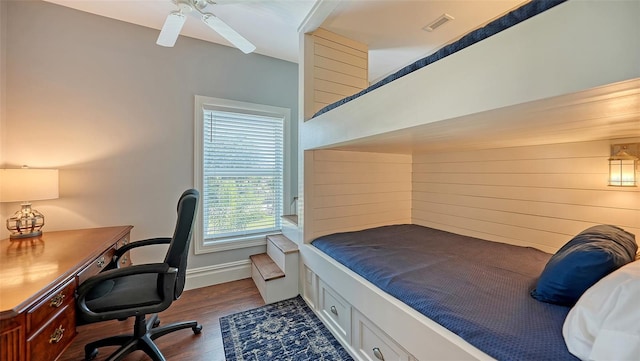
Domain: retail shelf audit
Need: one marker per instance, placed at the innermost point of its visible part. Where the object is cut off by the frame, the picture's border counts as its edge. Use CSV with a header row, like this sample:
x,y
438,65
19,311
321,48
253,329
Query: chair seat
x,y
124,293
140,290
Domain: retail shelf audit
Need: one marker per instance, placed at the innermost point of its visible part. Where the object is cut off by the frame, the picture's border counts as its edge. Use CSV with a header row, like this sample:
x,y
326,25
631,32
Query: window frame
x,y
203,103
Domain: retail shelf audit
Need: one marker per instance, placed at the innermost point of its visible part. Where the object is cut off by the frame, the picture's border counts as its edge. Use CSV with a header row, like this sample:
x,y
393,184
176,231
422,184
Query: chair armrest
x,y
145,242
115,260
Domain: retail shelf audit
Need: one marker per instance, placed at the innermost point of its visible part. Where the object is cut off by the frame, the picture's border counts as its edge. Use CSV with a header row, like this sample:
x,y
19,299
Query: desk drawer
x,y
38,315
51,340
98,265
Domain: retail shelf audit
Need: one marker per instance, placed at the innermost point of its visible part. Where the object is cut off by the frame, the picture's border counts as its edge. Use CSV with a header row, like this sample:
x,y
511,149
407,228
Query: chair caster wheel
x,y
197,329
88,356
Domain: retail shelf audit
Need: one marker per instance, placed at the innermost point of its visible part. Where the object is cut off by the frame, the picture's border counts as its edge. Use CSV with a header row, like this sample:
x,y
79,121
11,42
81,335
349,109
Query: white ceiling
x,y
391,28
250,18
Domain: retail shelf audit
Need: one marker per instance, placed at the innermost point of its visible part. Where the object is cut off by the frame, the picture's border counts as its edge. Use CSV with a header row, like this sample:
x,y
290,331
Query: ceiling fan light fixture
x,y
171,29
228,33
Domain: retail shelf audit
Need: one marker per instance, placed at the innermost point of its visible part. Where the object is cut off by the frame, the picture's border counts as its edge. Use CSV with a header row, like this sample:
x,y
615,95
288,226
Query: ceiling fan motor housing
x,y
201,4
185,6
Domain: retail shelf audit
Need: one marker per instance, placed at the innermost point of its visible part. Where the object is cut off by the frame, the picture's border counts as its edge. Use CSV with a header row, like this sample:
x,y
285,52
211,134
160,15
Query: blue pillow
x,y
583,261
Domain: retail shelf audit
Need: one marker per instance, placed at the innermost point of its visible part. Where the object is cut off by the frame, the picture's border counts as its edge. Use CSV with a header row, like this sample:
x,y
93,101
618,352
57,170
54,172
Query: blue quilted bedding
x,y
477,289
514,17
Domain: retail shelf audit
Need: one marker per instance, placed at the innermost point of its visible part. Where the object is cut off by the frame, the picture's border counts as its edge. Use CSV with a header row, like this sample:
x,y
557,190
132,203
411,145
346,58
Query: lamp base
x,y
17,237
25,223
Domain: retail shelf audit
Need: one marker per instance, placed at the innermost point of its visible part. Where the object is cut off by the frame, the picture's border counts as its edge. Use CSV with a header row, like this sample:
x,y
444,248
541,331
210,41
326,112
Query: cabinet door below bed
x,y
372,344
335,311
310,287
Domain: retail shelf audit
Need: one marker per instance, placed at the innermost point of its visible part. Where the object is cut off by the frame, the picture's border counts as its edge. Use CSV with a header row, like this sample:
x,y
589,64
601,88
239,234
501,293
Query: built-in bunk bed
x,y
389,168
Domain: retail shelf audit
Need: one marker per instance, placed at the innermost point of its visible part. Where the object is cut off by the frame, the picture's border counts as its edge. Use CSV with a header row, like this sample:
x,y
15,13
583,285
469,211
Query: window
x,y
240,170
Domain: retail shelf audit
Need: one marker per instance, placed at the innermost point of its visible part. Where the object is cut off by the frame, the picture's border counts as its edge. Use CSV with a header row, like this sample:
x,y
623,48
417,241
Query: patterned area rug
x,y
285,330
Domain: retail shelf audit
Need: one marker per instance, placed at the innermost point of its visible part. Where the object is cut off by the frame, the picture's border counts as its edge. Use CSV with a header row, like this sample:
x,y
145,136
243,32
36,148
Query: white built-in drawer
x,y
335,310
372,344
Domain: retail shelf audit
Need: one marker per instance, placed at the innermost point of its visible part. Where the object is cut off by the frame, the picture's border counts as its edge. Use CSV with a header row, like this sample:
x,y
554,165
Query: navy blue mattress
x,y
514,17
477,289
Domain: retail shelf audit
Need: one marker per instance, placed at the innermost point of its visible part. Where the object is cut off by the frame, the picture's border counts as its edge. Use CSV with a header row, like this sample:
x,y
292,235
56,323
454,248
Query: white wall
x,y
348,191
538,196
96,98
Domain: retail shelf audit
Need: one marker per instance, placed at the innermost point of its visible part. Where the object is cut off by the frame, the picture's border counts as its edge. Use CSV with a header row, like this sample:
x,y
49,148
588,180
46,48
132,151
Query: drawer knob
x,y
334,310
124,242
100,262
124,260
57,300
56,336
378,354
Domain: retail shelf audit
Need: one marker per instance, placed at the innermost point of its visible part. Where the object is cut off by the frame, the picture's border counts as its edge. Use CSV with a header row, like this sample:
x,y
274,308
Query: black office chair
x,y
141,290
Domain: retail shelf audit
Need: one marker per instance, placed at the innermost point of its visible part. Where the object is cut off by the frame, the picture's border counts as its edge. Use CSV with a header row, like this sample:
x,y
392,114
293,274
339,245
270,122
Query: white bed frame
x,y
402,329
579,58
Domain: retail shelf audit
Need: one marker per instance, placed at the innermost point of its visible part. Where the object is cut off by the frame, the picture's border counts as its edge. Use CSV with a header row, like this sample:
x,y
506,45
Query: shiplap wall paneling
x,y
538,196
348,191
340,67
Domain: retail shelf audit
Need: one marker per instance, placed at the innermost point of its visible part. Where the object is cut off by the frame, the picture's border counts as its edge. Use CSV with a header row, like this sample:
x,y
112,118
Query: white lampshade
x,y
27,184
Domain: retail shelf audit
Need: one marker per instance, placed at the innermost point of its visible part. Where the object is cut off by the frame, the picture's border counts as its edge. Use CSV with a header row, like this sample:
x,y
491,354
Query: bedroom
x,y
98,175
115,116
498,160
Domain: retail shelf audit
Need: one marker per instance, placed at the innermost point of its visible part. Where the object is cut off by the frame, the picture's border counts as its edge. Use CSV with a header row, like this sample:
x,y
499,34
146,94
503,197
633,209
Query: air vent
x,y
443,19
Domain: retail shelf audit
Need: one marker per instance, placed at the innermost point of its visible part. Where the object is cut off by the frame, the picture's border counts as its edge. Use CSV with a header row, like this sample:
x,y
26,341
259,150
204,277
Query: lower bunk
x,y
408,292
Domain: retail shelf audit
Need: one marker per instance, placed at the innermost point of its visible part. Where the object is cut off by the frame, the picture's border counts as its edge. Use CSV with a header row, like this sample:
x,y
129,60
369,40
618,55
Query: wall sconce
x,y
623,164
25,185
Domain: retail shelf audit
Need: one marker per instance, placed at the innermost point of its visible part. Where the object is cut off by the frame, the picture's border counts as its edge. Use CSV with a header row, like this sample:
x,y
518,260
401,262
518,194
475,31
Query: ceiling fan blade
x,y
171,29
228,33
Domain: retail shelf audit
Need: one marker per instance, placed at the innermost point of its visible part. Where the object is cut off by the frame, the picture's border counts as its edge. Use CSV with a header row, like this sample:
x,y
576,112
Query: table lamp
x,y
26,185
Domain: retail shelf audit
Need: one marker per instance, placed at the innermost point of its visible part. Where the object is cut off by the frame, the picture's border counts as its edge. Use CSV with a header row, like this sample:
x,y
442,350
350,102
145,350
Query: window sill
x,y
230,244
293,219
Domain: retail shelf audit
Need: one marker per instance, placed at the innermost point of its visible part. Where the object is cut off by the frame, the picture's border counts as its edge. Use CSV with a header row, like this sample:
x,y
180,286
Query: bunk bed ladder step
x,y
275,273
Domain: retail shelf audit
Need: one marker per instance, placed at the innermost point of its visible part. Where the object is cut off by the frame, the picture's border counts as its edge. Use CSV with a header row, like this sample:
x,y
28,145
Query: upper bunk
x,y
568,74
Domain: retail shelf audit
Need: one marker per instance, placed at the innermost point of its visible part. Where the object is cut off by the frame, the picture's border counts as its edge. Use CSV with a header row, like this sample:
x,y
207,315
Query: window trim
x,y
203,103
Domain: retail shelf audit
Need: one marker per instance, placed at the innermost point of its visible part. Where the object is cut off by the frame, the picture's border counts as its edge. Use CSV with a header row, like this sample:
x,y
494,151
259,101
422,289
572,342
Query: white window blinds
x,y
242,174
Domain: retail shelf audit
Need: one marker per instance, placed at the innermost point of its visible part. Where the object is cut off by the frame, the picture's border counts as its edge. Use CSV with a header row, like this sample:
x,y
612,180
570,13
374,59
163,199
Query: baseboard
x,y
216,274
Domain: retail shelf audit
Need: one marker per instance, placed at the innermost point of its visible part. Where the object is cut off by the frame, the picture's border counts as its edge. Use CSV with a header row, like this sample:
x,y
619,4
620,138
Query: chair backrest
x,y
179,248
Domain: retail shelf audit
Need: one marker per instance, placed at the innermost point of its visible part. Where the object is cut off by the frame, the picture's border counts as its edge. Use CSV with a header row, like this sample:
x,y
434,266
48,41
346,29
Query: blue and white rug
x,y
285,330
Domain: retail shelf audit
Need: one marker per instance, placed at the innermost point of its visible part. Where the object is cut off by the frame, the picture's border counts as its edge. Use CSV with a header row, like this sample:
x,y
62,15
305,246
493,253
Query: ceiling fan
x,y
175,21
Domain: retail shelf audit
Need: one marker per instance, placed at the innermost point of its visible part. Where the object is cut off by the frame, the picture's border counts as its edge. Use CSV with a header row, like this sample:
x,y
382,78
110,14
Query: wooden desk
x,y
38,279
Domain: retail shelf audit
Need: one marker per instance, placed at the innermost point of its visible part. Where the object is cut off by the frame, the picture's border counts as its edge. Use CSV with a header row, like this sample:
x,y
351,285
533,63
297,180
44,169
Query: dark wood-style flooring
x,y
206,305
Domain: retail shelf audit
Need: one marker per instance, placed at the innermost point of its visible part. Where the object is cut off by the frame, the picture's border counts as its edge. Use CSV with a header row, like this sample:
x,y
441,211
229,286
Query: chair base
x,y
145,331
